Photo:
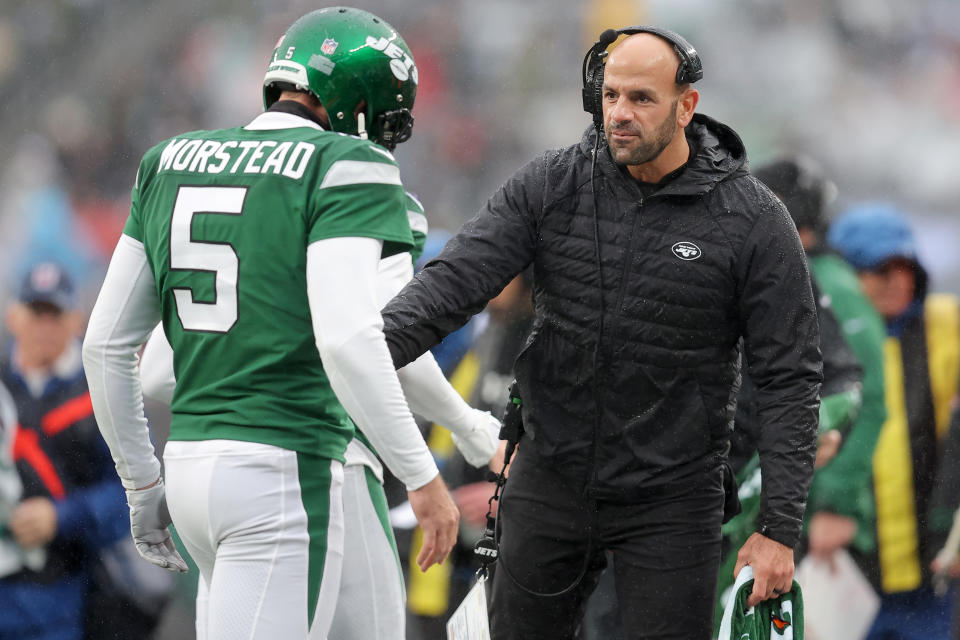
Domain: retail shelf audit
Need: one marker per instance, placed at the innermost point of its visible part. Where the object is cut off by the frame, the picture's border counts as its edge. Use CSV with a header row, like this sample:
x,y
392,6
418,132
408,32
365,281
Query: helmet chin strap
x,y
362,126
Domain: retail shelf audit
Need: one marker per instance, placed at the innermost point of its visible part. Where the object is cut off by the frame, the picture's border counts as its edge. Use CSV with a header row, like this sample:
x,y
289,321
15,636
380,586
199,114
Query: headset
x,y
690,69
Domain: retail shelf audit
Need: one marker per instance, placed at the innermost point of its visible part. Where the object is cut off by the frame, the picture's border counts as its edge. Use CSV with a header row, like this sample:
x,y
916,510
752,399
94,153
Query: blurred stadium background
x,y
870,88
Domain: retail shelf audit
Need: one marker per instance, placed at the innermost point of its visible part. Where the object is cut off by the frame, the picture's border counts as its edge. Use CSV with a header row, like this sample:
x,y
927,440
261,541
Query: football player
x,y
258,248
370,602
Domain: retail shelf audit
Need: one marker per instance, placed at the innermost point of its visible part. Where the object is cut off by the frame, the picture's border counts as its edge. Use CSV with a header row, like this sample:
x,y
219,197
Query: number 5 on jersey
x,y
218,258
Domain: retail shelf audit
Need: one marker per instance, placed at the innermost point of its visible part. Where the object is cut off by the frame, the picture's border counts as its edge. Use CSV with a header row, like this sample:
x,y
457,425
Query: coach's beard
x,y
647,148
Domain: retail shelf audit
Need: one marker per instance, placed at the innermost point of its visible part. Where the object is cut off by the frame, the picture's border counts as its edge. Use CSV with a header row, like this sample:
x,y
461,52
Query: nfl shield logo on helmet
x,y
329,46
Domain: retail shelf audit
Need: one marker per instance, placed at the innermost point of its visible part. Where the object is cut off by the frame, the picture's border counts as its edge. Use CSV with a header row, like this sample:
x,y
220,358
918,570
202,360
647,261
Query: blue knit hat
x,y
870,234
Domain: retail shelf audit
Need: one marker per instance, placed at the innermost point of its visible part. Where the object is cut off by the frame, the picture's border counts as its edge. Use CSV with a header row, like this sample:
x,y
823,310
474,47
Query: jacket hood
x,y
719,155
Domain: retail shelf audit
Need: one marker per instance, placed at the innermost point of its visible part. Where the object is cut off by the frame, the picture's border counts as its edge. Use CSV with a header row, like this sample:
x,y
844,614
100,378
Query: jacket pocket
x,y
667,423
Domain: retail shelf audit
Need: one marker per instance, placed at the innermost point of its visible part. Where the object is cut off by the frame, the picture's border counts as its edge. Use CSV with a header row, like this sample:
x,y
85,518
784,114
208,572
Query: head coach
x,y
655,257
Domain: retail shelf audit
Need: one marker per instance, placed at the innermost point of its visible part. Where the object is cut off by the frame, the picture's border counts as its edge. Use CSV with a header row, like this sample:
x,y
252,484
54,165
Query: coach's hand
x,y
149,519
772,565
438,517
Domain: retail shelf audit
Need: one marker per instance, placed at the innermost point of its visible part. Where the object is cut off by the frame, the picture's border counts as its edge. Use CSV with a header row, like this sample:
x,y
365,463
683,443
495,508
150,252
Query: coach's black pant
x,y
666,553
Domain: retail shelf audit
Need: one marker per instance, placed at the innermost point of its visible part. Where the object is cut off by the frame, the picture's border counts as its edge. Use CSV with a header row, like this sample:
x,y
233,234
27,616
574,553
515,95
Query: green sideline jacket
x,y
845,485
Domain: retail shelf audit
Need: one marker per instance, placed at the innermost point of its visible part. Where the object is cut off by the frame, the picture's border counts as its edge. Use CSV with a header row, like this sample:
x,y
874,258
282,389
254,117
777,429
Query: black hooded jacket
x,y
629,378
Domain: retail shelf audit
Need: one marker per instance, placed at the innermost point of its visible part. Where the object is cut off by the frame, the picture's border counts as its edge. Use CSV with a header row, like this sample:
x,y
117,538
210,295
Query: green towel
x,y
780,619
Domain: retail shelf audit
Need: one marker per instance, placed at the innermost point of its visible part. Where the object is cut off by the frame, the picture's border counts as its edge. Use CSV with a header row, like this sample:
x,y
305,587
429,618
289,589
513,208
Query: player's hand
x,y
149,520
479,444
33,522
438,517
772,565
830,532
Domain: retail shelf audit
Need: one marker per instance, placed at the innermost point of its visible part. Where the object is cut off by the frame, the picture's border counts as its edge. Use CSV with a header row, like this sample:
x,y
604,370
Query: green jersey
x,y
418,225
225,218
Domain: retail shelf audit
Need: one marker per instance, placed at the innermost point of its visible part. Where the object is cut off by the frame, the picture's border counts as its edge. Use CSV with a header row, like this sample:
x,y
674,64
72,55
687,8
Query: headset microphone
x,y
607,37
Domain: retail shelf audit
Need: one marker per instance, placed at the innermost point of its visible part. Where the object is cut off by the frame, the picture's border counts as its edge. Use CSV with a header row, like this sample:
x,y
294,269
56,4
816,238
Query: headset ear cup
x,y
682,69
597,96
592,82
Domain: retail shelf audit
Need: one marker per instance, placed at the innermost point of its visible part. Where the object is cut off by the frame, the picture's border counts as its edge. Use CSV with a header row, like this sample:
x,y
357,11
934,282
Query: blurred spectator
x,y
13,557
840,507
921,367
72,505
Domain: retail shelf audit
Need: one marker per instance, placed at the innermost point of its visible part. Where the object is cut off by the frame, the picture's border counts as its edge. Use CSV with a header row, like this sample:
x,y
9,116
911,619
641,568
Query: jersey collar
x,y
285,114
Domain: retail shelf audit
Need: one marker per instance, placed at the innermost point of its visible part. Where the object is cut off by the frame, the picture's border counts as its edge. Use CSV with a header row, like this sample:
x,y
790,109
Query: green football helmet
x,y
346,56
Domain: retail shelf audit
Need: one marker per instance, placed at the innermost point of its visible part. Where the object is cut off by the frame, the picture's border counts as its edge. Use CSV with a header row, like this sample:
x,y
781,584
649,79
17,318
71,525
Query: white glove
x,y
149,519
479,443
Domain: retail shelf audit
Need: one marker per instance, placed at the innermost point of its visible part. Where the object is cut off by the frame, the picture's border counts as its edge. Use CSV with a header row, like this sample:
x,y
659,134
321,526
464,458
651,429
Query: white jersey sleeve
x,y
127,309
393,274
349,335
156,368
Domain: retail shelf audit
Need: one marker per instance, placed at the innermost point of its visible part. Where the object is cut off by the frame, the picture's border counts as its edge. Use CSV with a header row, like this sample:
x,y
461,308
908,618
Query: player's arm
x,y
156,368
127,309
427,390
341,287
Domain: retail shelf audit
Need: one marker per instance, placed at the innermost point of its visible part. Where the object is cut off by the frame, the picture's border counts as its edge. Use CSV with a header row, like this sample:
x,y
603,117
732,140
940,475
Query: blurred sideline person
x,y
654,252
71,504
258,248
840,509
369,604
921,369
